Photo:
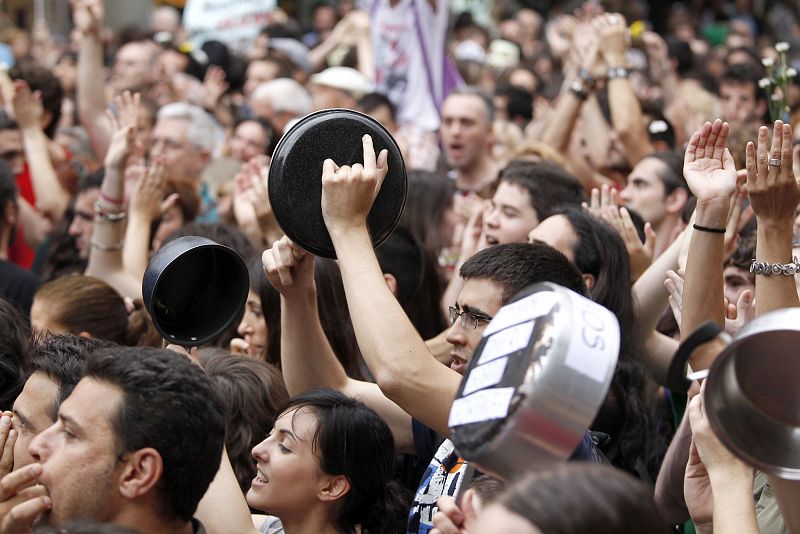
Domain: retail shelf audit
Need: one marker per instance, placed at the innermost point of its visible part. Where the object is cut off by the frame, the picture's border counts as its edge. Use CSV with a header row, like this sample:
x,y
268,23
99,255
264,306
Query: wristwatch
x,y
589,81
618,72
578,89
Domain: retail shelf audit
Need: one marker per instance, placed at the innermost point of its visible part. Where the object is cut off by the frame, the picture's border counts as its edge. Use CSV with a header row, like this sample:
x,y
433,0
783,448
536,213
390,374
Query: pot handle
x,y
676,374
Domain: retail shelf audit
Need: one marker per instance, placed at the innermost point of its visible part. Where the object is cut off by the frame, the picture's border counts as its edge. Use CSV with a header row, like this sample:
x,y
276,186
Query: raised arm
x,y
398,358
88,18
578,85
307,359
223,508
146,205
105,255
51,197
718,485
626,112
347,31
774,194
711,174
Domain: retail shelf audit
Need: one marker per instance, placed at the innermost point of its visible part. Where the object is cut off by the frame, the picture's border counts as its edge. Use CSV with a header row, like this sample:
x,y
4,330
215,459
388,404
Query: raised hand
x,y
21,503
605,205
250,197
771,184
147,199
123,125
697,492
214,86
559,34
708,166
289,268
8,437
736,315
27,105
449,519
348,192
611,29
674,284
715,456
87,15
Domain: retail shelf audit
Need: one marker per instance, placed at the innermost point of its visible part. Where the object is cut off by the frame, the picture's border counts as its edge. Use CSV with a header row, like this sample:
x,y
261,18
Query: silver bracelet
x,y
769,269
109,216
107,248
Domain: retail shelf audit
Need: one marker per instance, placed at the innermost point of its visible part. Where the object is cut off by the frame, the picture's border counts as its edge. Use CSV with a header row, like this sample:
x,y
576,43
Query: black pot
x,y
295,176
195,289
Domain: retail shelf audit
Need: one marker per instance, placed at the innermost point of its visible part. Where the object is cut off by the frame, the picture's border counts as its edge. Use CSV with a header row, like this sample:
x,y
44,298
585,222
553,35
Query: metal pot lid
x,y
752,396
194,289
295,176
536,381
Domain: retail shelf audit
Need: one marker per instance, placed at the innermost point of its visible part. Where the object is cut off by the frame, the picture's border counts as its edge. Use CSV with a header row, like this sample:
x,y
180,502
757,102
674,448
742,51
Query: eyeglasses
x,y
469,320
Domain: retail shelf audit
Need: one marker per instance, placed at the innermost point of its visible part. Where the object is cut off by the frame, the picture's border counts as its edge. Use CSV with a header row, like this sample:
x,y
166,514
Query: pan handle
x,y
676,379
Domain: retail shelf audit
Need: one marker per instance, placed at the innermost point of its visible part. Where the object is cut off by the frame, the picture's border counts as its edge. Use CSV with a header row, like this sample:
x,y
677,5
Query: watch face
x,y
295,176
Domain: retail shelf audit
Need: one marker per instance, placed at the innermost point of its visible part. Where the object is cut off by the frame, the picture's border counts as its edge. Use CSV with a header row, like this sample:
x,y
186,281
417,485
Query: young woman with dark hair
x,y
325,468
260,326
628,417
328,464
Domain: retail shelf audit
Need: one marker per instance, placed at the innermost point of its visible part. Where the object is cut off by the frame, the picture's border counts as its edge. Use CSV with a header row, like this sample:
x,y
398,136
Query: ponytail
x,y
140,331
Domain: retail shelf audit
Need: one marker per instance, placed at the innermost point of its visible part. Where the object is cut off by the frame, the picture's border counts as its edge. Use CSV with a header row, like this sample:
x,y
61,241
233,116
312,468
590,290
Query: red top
x,y
20,253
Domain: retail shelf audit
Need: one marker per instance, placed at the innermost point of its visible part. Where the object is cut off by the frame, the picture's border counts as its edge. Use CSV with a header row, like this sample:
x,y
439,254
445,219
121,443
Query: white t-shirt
x,y
400,70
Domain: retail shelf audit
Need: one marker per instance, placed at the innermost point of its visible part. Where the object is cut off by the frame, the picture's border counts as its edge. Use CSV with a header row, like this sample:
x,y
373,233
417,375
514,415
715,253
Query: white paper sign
x,y
481,406
485,375
594,344
530,307
234,22
505,342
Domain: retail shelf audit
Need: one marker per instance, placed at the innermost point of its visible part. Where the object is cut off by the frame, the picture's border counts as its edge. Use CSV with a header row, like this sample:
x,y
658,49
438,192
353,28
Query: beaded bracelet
x,y
768,269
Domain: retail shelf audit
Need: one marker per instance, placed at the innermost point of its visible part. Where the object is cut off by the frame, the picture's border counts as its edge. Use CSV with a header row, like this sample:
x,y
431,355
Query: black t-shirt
x,y
18,286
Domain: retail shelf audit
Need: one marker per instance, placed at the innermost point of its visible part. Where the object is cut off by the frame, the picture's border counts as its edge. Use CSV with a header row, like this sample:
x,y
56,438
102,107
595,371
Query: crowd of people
x,y
641,154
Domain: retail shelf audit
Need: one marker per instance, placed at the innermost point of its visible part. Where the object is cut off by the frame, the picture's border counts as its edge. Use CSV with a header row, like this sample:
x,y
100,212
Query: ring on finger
x,y
774,162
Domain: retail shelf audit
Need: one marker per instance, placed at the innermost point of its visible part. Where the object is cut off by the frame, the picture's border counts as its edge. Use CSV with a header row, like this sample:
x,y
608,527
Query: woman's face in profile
x,y
289,479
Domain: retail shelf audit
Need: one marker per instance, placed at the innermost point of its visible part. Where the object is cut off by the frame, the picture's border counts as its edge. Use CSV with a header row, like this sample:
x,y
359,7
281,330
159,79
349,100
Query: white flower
x,y
767,61
782,47
763,83
791,73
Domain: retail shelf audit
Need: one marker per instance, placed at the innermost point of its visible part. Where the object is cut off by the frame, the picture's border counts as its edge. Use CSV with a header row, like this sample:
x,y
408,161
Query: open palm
x,y
708,165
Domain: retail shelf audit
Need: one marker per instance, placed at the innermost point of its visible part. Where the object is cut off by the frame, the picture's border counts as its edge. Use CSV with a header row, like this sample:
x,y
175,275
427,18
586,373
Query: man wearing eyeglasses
x,y
413,391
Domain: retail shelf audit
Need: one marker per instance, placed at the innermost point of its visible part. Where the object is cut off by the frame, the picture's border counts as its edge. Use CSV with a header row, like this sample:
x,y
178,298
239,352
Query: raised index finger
x,y
370,163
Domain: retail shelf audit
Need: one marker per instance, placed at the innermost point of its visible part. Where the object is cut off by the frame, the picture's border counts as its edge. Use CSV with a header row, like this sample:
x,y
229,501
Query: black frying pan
x,y
194,289
295,176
